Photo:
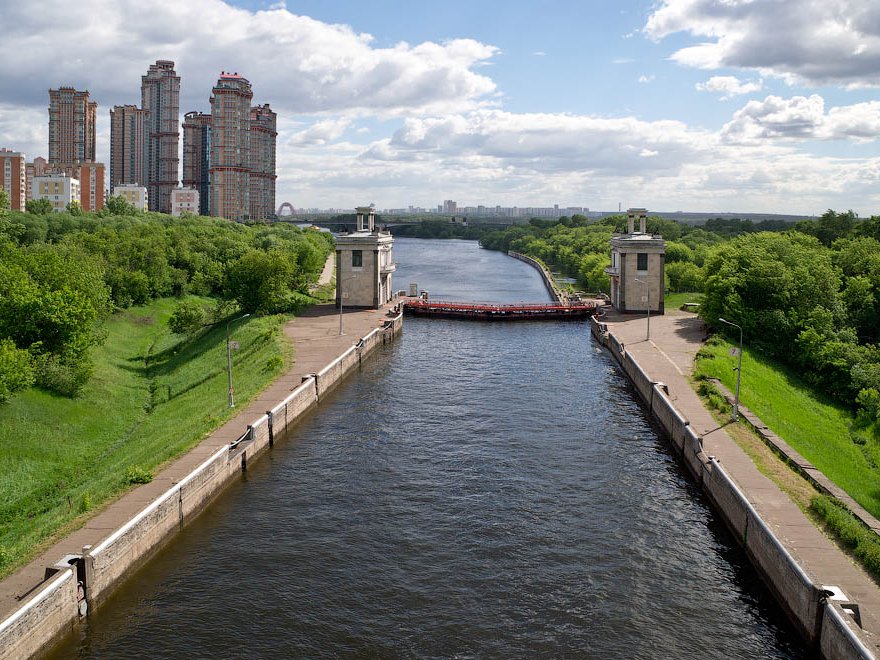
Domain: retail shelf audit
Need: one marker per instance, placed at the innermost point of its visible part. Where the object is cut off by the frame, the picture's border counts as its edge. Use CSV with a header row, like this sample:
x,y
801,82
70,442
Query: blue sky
x,y
695,105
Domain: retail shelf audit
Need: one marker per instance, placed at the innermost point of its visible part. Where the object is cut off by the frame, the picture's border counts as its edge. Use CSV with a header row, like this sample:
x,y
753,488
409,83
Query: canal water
x,y
476,491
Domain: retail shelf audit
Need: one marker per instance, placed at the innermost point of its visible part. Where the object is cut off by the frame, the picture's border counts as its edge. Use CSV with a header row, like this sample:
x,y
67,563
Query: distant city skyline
x,y
692,105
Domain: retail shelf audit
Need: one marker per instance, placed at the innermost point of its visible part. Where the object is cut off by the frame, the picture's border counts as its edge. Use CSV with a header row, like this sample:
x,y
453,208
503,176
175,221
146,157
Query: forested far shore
x,y
806,294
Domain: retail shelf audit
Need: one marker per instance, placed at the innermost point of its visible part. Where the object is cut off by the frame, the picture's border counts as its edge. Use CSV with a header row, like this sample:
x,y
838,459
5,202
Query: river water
x,y
477,491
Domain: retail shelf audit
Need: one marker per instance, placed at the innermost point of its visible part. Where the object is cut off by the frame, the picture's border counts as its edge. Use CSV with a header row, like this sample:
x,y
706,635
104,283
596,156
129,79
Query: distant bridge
x,y
288,207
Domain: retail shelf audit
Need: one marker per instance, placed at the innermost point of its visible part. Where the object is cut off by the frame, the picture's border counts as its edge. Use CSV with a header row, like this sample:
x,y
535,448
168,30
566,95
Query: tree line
x,y
807,293
62,274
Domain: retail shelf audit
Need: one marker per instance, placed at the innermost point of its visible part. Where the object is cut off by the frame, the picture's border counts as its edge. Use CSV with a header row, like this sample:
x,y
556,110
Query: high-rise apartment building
x,y
197,157
37,168
129,126
13,178
72,120
261,159
230,140
160,96
229,155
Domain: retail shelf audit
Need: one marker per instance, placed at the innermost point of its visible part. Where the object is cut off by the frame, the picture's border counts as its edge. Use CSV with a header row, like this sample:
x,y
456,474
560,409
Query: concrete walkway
x,y
669,357
315,334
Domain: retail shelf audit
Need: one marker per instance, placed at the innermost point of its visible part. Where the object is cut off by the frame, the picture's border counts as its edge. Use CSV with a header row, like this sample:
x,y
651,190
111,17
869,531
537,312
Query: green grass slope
x,y
153,396
813,425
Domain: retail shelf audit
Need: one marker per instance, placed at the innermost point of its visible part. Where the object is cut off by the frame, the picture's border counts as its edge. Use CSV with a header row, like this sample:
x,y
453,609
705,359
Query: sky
x,y
673,105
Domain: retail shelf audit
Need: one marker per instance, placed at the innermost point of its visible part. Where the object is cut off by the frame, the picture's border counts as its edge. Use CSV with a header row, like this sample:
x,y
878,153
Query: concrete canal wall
x,y
50,612
819,621
549,282
89,578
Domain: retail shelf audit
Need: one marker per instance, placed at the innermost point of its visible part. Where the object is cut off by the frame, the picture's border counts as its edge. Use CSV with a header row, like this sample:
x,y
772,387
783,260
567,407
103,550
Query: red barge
x,y
492,312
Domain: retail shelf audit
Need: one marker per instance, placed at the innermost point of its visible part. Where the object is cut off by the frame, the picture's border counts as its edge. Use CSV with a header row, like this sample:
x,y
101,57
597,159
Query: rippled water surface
x,y
478,490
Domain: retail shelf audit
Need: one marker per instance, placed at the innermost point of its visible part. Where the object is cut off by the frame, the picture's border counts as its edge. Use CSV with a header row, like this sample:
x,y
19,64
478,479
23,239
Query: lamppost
x,y
738,367
648,303
229,359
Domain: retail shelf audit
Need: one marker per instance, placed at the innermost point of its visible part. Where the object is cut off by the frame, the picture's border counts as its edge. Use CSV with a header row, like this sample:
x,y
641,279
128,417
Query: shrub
x,y
861,540
187,318
63,375
868,401
137,475
221,310
274,363
684,276
264,282
16,371
129,287
713,396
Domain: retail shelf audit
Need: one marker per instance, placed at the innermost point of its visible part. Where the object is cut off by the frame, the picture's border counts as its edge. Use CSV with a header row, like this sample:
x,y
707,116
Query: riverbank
x,y
797,561
552,288
41,600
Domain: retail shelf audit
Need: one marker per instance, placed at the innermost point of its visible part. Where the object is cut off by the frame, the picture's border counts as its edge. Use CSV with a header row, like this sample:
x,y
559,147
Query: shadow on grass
x,y
173,393
173,360
177,355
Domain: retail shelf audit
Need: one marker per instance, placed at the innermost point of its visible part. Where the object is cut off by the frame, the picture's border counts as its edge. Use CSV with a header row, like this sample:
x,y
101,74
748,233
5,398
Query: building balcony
x,y
611,270
388,268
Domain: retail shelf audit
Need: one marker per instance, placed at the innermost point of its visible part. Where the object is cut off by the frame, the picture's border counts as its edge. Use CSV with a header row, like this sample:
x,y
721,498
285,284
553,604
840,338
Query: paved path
x,y
669,357
315,334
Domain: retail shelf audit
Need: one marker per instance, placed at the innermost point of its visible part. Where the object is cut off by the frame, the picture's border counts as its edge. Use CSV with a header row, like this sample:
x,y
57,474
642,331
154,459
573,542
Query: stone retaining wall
x,y
47,615
824,625
839,641
549,282
55,609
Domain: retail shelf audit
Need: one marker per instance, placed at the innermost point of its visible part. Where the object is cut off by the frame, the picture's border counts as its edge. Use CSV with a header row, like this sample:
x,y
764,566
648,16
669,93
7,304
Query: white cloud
x,y
818,41
492,156
479,160
319,133
449,136
803,118
20,131
729,86
643,79
294,62
547,143
539,53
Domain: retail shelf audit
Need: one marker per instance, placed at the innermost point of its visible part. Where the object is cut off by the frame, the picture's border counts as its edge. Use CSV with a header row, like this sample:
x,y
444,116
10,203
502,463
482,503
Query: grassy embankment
x,y
821,431
154,395
676,300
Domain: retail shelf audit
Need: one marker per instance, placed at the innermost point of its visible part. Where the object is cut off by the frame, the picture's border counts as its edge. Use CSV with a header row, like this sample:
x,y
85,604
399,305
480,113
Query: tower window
x,y
357,258
642,261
